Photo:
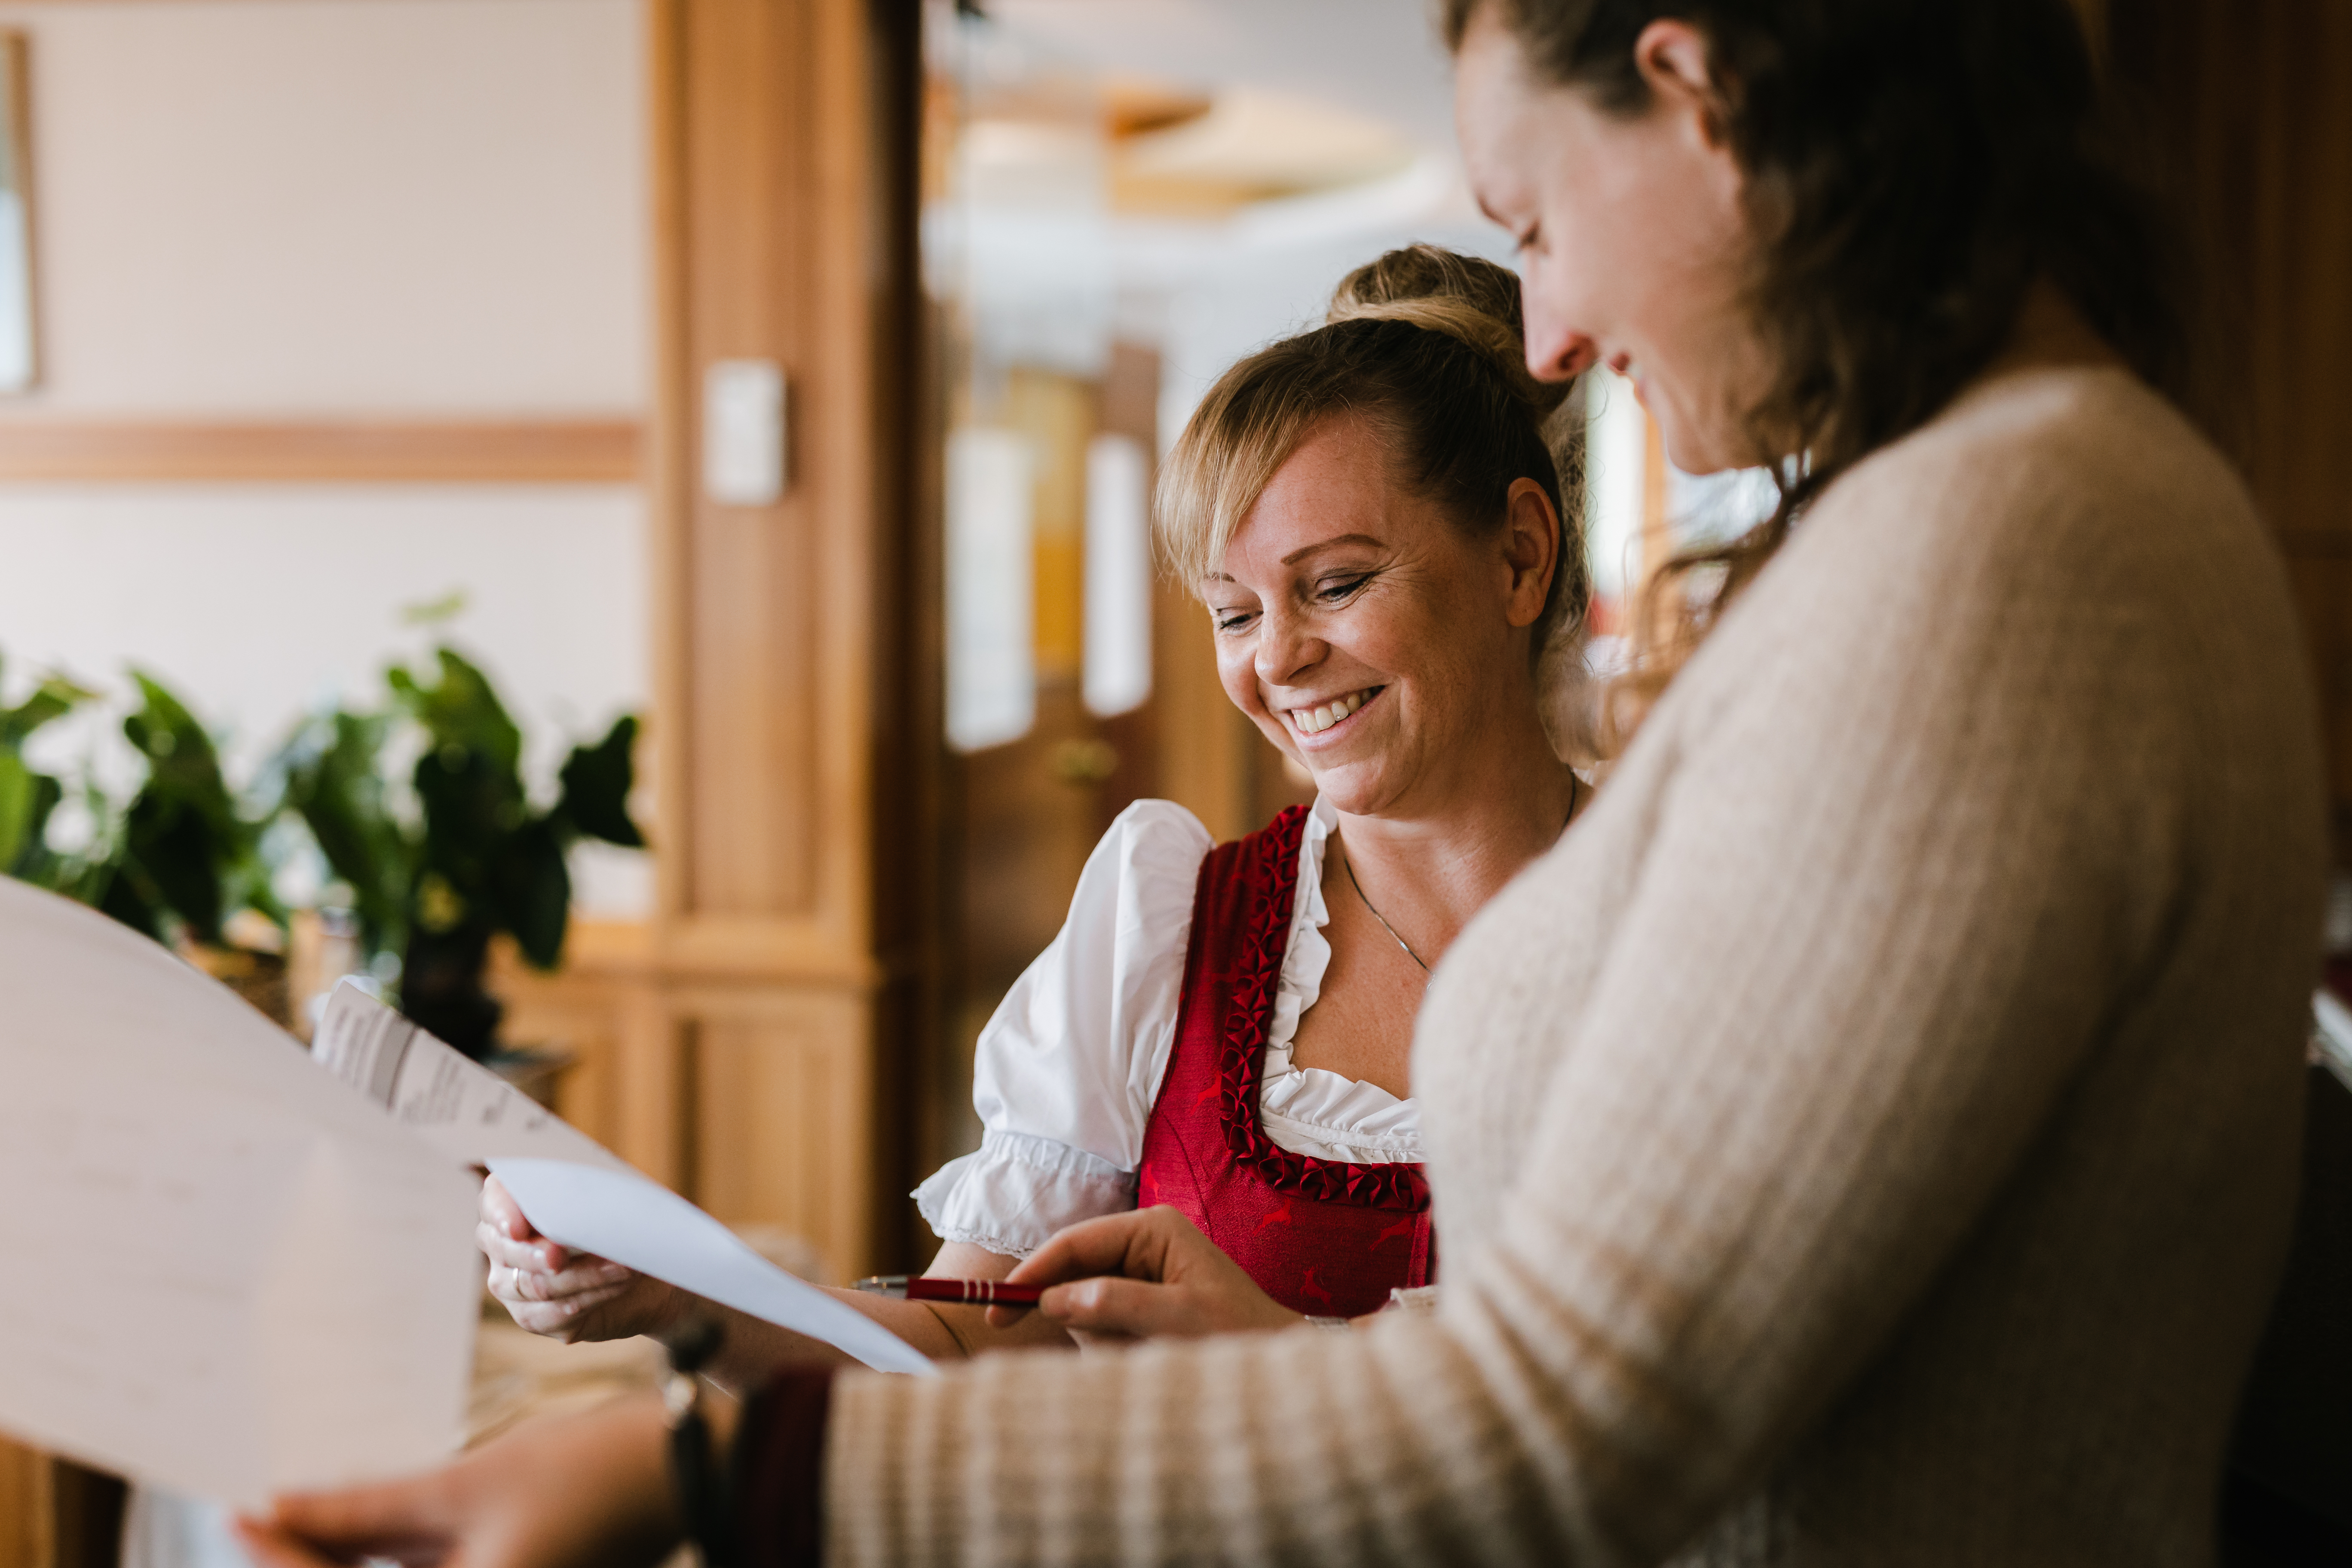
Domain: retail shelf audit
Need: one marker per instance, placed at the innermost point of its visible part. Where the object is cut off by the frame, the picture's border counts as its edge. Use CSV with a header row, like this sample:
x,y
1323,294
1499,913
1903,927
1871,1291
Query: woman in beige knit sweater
x,y
1869,1137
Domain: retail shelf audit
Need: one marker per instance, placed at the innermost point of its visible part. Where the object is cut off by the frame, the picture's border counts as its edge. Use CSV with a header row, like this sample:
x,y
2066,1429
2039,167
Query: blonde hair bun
x,y
1467,297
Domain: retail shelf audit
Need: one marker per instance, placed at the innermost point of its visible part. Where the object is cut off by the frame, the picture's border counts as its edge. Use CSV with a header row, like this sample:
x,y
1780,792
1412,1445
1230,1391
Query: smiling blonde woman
x,y
1372,513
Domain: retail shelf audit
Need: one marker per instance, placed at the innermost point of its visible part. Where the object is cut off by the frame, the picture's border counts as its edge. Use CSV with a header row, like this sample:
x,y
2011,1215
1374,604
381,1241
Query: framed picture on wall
x,y
18,362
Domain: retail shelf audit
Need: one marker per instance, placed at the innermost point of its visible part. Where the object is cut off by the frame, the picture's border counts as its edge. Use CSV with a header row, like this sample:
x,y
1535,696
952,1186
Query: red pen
x,y
970,1292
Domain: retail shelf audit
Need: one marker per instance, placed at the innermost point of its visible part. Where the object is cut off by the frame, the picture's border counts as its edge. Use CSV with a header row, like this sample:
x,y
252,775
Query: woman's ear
x,y
1675,65
1530,549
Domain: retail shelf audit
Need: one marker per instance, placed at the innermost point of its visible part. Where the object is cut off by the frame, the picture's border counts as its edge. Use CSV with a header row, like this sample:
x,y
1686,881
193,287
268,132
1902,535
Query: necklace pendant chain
x,y
1348,864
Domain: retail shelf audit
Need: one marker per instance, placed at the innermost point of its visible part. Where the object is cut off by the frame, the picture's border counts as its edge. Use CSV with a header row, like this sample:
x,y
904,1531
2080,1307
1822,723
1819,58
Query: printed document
x,y
221,1272
460,1107
226,1274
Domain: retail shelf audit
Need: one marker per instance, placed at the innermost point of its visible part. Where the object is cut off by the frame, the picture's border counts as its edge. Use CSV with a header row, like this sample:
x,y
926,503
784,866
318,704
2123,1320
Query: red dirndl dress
x,y
1325,1237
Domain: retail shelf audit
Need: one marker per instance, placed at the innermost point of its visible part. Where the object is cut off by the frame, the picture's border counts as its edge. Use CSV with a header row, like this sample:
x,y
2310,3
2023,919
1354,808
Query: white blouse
x,y
1066,1071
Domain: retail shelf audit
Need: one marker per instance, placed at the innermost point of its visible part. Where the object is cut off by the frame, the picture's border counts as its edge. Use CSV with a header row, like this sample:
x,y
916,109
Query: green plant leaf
x,y
34,861
185,847
119,892
596,781
335,784
182,764
533,888
434,612
85,874
17,793
461,709
53,699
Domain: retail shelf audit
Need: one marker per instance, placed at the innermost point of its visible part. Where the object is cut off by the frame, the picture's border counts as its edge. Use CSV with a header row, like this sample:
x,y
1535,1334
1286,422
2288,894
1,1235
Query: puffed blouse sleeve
x,y
1065,1073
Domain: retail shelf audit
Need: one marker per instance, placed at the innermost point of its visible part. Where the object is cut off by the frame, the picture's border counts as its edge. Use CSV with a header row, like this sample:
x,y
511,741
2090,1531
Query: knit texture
x,y
1869,1138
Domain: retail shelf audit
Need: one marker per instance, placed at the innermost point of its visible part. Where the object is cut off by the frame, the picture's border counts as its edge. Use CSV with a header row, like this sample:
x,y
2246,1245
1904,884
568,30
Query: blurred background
x,y
789,376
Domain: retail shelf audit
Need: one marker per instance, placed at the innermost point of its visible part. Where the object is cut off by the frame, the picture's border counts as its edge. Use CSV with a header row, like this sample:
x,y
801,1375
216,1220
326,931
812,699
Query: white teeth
x,y
1314,720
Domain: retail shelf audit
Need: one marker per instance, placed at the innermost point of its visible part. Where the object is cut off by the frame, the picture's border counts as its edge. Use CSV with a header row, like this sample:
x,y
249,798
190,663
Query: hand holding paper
x,y
623,1216
573,1190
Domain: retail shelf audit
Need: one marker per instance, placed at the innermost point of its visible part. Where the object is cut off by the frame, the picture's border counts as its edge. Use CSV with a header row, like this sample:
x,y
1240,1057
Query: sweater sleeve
x,y
1890,852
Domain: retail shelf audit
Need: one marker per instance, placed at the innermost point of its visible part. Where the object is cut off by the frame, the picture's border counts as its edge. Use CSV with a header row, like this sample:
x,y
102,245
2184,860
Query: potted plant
x,y
188,863
181,861
478,859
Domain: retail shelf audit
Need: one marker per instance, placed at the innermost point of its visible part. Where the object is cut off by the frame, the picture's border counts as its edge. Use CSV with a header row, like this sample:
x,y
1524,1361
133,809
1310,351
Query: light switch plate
x,y
743,432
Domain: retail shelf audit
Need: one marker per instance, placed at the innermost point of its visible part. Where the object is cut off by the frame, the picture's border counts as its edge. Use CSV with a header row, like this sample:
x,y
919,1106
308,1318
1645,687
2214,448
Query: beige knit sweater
x,y
1868,1139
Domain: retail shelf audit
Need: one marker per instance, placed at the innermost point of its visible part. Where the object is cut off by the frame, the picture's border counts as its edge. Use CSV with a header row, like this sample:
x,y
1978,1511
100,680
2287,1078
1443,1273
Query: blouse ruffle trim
x,y
1273,905
1307,1109
1016,1190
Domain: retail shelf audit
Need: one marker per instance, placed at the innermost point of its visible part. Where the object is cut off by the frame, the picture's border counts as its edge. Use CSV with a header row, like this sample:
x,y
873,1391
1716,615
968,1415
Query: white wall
x,y
335,209
308,206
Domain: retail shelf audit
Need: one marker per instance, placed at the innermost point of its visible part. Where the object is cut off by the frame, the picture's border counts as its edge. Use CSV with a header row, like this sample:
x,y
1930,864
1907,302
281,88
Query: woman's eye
x,y
1340,587
1232,620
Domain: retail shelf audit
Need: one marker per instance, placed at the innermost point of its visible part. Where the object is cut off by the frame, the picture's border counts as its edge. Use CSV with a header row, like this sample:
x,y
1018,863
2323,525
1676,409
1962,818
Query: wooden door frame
x,y
757,1041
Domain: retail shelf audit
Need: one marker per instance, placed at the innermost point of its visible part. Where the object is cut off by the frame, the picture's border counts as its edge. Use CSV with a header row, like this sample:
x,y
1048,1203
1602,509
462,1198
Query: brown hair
x,y
1912,166
1430,346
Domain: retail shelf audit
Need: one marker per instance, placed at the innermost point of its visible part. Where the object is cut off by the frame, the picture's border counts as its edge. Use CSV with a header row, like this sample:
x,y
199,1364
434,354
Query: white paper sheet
x,y
630,1220
572,1189
462,1107
220,1270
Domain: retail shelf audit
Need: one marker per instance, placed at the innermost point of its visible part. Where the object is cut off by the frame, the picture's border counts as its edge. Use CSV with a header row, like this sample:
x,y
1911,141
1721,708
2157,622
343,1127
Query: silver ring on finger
x,y
519,1293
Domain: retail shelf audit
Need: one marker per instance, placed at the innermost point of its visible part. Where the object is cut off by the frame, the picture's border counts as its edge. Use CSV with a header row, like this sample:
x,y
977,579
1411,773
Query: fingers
x,y
270,1547
502,1215
590,1276
632,1304
502,1250
556,1317
540,1279
407,1520
1131,1244
1133,1309
499,1208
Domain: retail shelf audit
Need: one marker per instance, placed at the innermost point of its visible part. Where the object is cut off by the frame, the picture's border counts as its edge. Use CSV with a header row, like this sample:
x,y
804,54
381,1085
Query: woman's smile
x,y
1312,721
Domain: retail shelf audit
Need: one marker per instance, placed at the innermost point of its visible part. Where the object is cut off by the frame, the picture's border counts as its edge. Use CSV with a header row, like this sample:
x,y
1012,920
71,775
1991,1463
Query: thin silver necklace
x,y
1348,864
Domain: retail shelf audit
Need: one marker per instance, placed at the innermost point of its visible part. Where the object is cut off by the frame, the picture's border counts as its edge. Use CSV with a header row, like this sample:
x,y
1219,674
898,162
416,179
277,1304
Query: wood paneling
x,y
797,731
784,1116
26,1528
751,1043
2250,132
56,1514
550,451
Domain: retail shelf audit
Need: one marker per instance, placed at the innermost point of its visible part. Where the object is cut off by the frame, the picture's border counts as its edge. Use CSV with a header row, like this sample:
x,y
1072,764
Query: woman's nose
x,y
1287,647
1555,350
1561,355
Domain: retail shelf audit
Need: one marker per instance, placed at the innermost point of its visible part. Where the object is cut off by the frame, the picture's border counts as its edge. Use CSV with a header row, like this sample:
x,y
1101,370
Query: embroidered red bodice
x,y
1322,1237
